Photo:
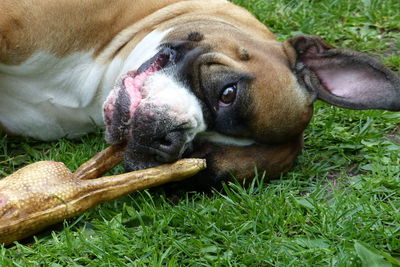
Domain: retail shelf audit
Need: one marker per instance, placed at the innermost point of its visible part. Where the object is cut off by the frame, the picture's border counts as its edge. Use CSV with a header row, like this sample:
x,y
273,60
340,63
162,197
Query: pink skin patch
x,y
133,87
350,83
133,84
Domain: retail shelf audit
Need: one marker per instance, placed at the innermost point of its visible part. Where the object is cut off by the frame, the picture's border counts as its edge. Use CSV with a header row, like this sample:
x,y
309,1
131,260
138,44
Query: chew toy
x,y
47,192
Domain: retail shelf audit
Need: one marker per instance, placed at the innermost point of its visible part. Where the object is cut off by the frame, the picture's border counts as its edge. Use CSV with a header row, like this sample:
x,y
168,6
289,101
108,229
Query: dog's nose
x,y
157,137
169,147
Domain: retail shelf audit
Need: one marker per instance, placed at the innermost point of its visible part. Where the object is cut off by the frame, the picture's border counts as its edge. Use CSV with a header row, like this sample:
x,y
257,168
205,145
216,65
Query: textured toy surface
x,y
46,192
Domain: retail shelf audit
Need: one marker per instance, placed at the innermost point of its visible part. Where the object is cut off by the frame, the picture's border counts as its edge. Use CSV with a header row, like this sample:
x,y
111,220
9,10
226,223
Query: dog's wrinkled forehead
x,y
270,105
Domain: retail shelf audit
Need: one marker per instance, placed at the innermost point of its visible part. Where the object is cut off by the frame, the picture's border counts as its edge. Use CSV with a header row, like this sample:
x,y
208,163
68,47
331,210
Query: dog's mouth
x,y
122,102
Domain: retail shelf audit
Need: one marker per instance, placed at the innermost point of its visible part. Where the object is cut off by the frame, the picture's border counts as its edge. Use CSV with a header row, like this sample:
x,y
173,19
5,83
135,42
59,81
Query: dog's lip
x,y
157,62
151,66
134,81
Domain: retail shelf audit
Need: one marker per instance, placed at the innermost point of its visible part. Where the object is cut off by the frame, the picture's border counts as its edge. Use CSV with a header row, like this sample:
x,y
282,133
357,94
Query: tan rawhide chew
x,y
46,192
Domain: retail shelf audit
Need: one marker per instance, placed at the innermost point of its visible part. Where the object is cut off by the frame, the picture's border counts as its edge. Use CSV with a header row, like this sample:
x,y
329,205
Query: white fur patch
x,y
161,90
47,97
218,138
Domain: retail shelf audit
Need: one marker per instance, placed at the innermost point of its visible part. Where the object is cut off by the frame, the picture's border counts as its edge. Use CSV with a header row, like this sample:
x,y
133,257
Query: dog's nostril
x,y
165,142
170,147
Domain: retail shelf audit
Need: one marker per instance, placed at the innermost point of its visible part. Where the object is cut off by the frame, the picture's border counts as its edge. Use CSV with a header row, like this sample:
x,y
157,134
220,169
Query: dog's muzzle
x,y
153,111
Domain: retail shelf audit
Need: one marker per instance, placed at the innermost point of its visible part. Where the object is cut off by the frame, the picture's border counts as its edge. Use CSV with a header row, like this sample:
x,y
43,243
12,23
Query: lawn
x,y
338,206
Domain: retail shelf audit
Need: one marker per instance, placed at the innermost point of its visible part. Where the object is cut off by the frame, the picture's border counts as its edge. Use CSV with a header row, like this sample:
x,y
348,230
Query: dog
x,y
175,78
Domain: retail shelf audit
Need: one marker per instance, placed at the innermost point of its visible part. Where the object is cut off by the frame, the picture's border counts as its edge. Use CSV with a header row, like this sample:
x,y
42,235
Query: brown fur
x,y
65,27
22,23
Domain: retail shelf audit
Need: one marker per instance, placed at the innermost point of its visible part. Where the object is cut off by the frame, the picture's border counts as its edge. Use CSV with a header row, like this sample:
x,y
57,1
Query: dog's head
x,y
240,101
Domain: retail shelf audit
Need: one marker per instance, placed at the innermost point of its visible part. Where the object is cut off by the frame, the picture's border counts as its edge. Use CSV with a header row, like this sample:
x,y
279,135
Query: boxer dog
x,y
173,79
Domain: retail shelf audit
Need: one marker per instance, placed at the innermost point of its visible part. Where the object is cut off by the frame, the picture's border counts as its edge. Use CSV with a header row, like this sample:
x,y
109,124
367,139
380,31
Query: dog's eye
x,y
228,95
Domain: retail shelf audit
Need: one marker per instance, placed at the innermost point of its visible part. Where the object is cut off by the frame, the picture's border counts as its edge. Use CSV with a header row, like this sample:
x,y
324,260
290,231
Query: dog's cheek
x,y
117,117
225,163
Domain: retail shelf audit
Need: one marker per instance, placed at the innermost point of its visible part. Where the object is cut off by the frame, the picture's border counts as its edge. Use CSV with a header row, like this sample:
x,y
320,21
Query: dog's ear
x,y
342,77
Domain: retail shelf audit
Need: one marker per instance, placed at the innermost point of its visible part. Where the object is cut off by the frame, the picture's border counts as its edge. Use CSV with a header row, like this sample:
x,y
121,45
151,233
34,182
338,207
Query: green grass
x,y
339,206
